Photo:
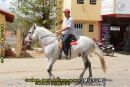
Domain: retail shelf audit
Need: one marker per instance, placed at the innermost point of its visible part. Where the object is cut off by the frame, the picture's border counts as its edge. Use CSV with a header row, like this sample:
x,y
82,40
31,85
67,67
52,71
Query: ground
x,y
14,71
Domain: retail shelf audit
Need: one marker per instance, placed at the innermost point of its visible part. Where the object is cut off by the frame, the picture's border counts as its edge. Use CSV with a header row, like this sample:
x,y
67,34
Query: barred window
x,y
80,1
78,26
91,28
93,1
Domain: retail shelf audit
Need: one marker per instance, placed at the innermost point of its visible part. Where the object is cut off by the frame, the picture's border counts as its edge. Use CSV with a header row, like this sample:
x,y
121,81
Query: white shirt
x,y
70,24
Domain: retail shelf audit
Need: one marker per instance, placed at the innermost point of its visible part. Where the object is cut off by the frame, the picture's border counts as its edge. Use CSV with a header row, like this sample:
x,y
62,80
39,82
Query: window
x,y
92,1
91,27
80,1
78,26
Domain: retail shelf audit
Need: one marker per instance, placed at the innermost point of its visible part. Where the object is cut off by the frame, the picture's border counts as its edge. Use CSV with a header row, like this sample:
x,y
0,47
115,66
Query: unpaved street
x,y
14,71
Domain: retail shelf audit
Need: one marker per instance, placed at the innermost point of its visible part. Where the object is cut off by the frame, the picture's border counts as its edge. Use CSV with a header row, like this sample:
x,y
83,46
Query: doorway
x,y
117,36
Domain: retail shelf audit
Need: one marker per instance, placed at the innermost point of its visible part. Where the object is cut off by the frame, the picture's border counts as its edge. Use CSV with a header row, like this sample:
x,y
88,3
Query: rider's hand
x,y
58,32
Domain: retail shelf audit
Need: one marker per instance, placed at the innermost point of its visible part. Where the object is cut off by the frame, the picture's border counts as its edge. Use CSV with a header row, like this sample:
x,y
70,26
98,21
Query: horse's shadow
x,y
111,56
123,52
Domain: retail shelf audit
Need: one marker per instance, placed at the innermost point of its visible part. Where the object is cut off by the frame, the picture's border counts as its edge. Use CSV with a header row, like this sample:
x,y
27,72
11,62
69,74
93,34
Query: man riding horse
x,y
68,32
50,44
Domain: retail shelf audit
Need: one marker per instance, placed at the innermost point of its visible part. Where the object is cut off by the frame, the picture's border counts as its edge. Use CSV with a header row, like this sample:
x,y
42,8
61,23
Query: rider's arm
x,y
69,24
65,28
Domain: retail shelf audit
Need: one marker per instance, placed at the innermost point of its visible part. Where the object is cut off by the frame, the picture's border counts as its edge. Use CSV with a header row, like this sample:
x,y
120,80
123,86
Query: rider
x,y
68,31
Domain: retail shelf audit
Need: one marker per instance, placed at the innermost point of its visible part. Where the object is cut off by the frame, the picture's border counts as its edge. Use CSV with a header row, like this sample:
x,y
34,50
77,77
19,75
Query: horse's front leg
x,y
49,67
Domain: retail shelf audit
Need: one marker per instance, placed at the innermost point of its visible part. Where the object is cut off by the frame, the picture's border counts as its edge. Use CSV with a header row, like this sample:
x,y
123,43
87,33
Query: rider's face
x,y
66,14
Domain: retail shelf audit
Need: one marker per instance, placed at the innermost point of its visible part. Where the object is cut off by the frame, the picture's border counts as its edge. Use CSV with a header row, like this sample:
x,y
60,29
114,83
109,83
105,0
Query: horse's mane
x,y
46,30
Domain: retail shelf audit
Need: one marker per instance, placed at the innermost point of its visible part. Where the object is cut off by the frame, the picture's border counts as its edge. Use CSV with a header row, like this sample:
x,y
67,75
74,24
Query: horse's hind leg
x,y
90,69
85,67
86,64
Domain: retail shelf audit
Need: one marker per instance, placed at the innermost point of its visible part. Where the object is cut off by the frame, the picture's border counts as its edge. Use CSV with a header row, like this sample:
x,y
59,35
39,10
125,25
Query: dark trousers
x,y
66,43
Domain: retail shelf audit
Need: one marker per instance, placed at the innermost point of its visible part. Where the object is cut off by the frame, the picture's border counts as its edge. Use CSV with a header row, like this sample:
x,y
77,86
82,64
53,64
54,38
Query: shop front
x,y
116,30
115,25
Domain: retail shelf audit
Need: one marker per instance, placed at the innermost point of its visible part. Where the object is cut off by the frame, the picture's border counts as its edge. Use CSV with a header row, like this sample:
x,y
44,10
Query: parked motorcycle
x,y
108,49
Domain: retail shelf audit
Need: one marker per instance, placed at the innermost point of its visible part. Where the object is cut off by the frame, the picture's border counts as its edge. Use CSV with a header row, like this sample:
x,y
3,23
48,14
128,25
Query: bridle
x,y
29,35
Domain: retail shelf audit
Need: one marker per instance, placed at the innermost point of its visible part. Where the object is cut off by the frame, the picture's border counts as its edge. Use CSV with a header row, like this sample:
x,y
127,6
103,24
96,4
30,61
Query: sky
x,y
5,4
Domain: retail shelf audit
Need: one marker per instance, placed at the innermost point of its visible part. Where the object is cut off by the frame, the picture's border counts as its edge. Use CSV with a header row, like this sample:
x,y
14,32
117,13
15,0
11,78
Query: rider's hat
x,y
66,10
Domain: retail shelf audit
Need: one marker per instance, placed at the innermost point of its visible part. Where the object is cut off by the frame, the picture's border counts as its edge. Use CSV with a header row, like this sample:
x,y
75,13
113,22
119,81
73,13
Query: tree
x,y
41,12
59,15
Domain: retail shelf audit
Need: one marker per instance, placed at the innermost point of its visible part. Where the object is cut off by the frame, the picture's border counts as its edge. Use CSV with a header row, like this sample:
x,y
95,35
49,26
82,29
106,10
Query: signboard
x,y
107,7
115,28
105,32
122,7
115,7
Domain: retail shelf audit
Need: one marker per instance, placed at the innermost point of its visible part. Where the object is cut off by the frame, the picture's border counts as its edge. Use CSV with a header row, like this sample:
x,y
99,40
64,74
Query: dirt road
x,y
14,71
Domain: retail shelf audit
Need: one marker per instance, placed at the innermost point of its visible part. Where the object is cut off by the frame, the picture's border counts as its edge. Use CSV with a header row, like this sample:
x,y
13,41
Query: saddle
x,y
73,41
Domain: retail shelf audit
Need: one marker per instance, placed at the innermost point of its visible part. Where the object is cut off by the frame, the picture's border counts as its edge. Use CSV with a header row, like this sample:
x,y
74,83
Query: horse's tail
x,y
99,53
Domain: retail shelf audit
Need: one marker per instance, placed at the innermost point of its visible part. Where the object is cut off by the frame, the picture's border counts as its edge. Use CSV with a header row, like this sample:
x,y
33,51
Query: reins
x,y
48,36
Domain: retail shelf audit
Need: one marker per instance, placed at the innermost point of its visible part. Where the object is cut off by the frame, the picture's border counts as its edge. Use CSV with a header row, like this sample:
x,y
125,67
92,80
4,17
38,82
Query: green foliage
x,y
41,12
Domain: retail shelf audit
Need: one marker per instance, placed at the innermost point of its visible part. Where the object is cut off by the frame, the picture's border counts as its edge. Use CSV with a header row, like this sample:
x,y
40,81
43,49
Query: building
x,y
86,15
4,17
115,25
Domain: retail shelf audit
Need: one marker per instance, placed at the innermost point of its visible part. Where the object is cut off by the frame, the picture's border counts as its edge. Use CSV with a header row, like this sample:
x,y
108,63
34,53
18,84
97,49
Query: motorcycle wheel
x,y
109,52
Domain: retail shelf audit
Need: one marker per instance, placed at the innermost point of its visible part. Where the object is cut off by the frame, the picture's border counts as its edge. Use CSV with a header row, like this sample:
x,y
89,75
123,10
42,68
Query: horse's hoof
x,y
55,77
75,84
52,77
58,77
89,76
80,78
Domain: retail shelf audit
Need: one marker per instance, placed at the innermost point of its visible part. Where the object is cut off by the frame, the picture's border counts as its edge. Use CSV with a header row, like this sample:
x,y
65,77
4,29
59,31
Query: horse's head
x,y
28,38
44,35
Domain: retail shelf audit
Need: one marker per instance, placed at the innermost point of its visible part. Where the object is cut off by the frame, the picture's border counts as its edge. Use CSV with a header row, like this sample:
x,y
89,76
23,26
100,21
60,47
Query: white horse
x,y
51,48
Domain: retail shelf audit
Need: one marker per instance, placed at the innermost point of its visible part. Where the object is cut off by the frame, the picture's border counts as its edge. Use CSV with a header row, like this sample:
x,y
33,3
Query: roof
x,y
9,16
